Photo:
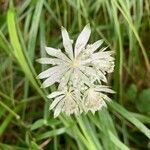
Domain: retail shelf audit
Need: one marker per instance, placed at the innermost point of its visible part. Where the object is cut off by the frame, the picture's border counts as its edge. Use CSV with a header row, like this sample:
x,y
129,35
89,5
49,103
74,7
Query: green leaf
x,y
4,146
18,52
142,118
106,124
117,142
34,29
8,119
51,133
128,116
39,123
34,146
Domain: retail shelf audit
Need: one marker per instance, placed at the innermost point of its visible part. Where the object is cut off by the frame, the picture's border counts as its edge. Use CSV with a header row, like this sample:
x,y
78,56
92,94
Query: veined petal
x,y
65,79
55,94
53,61
93,47
103,63
56,101
84,78
103,49
56,53
50,72
82,39
98,59
102,76
67,42
54,78
105,89
100,55
90,72
51,80
105,97
58,108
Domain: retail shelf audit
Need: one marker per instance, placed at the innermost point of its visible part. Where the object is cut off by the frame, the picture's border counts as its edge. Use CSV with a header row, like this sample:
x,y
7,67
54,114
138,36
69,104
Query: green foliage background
x,y
26,26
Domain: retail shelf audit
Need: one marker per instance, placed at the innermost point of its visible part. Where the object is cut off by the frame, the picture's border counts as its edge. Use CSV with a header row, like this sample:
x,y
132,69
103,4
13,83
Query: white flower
x,y
78,69
65,101
94,98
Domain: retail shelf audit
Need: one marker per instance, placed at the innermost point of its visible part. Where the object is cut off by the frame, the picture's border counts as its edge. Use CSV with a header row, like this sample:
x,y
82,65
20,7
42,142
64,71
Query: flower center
x,y
75,63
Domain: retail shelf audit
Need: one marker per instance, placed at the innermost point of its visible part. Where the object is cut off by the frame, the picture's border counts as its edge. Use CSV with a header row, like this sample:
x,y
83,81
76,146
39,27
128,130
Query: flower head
x,y
79,71
94,98
65,101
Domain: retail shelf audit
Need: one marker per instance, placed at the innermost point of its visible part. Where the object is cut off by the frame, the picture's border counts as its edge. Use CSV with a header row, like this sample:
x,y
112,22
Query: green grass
x,y
25,120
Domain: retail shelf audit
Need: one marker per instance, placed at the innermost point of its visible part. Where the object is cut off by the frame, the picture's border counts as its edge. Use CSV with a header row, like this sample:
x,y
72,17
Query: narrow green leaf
x,y
8,119
128,116
4,146
51,133
17,50
38,124
117,142
34,146
9,109
34,29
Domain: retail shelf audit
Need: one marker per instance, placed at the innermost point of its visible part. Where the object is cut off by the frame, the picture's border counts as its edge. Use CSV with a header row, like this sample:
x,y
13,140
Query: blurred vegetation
x,y
26,26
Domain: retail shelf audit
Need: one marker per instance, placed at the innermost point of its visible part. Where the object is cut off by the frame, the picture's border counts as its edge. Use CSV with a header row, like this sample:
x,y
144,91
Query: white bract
x,y
79,72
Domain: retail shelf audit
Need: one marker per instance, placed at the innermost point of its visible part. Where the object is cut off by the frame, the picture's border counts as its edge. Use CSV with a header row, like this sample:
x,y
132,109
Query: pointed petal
x,y
56,53
104,89
105,97
95,46
91,73
67,42
84,78
53,61
102,104
102,54
50,81
82,39
58,109
50,72
102,76
45,61
65,79
55,94
103,63
56,101
103,49
54,77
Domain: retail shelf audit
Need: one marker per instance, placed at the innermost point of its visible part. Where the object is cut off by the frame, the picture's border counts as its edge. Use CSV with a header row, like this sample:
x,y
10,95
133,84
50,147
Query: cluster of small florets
x,y
80,72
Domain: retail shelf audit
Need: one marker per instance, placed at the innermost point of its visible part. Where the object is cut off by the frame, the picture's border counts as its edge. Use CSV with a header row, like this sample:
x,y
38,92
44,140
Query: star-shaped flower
x,y
77,70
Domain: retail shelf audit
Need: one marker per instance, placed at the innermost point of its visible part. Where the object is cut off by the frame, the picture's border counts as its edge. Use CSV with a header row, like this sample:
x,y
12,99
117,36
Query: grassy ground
x,y
25,121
